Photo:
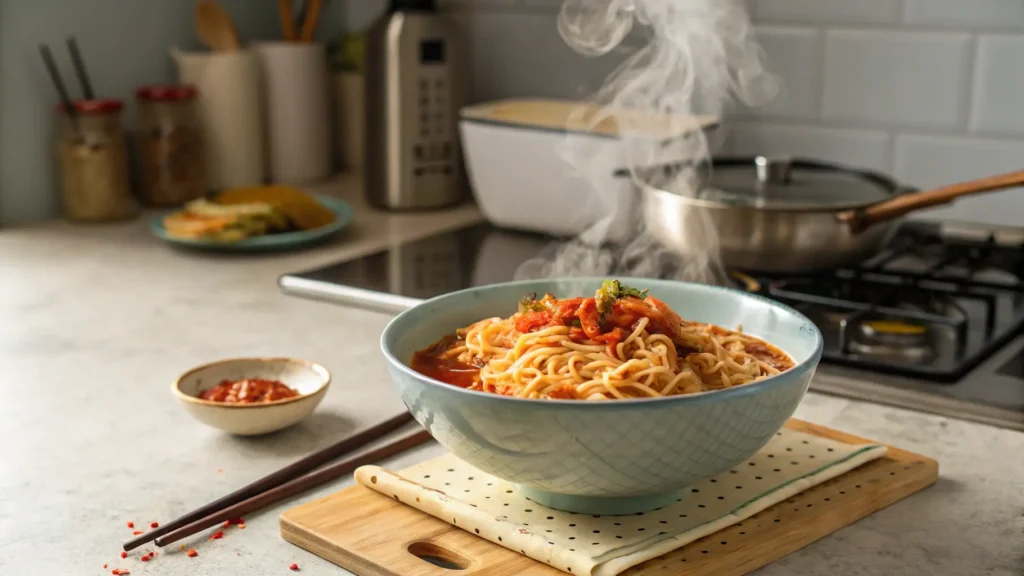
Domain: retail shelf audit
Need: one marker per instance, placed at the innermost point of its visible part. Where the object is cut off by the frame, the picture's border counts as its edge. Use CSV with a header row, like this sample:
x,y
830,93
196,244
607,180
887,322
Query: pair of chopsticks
x,y
286,482
58,82
307,22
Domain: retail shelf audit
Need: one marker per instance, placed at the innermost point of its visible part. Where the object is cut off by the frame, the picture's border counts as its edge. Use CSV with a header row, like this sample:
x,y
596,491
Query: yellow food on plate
x,y
205,220
301,209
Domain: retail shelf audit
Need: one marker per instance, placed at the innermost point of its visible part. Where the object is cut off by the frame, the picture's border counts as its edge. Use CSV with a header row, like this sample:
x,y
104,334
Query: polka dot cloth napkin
x,y
580,544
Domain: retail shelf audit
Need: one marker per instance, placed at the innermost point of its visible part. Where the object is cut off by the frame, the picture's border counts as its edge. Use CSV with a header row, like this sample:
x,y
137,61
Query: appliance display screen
x,y
432,51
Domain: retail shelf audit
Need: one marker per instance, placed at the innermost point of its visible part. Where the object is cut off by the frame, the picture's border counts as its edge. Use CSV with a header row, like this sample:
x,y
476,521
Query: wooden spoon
x,y
215,27
286,14
312,17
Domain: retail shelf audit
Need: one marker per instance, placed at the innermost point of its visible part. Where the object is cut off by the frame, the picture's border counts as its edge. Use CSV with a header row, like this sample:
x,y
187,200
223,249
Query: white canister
x,y
297,111
230,111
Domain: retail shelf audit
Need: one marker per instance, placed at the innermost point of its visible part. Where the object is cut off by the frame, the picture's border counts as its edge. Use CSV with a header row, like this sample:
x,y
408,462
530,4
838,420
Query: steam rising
x,y
699,56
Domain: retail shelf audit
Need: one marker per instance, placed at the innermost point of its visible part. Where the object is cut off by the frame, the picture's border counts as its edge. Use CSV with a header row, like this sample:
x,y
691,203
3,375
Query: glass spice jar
x,y
172,164
93,161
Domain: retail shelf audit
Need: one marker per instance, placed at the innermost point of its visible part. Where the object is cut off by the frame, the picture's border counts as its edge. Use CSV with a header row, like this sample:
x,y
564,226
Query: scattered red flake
x,y
124,554
137,532
217,535
226,524
294,567
145,558
119,571
104,566
192,553
131,524
154,524
241,526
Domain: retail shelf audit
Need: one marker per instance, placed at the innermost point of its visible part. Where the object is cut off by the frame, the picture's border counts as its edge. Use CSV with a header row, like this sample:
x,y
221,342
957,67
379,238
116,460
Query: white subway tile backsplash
x,y
998,13
998,104
522,55
834,11
927,161
867,149
932,90
900,78
795,56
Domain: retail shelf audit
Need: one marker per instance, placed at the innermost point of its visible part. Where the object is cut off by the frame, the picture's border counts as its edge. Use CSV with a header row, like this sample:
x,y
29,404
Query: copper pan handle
x,y
889,209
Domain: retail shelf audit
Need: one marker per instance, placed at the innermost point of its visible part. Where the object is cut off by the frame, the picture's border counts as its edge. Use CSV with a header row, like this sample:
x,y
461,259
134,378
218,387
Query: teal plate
x,y
285,241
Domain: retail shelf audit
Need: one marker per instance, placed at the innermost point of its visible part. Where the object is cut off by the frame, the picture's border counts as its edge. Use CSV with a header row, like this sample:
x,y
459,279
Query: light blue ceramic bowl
x,y
615,457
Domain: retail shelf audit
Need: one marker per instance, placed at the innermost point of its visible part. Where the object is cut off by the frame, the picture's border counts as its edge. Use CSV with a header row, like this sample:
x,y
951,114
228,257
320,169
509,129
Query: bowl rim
x,y
324,374
699,397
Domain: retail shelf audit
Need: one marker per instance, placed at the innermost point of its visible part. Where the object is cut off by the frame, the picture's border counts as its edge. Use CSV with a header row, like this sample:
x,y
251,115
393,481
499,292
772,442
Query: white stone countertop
x,y
96,321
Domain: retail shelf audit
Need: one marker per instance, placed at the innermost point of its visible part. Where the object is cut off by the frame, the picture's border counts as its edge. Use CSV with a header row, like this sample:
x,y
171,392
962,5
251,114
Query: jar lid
x,y
168,93
96,106
794,184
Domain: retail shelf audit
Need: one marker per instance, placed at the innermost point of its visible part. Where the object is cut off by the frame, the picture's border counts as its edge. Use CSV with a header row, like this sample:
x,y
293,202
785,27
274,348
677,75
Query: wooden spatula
x,y
215,27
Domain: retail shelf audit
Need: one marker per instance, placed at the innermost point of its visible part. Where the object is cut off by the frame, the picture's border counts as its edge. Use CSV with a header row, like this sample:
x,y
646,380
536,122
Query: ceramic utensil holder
x,y
298,122
230,110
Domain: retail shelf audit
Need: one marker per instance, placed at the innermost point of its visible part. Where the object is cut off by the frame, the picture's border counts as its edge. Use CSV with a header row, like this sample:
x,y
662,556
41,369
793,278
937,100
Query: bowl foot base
x,y
599,505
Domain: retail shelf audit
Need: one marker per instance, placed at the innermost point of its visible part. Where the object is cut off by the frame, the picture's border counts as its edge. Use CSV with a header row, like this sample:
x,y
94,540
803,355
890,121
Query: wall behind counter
x,y
125,45
930,91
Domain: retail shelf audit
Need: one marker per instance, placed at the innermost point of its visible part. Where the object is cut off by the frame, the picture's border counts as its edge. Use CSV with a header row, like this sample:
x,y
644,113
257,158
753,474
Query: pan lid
x,y
794,184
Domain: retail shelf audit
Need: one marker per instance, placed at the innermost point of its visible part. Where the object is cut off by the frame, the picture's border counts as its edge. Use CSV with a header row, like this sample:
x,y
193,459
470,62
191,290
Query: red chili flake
x,y
241,526
294,567
124,554
237,521
131,524
145,558
226,524
217,535
119,571
104,566
137,532
192,553
154,524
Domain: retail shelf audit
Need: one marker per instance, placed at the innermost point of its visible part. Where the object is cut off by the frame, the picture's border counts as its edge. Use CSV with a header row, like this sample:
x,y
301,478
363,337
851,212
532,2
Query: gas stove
x,y
934,322
932,305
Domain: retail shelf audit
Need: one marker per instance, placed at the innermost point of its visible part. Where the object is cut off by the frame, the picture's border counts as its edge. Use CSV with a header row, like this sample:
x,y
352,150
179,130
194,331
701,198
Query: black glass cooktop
x,y
933,311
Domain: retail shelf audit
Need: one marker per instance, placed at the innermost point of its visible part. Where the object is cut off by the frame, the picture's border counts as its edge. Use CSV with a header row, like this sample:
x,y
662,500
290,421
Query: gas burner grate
x,y
929,305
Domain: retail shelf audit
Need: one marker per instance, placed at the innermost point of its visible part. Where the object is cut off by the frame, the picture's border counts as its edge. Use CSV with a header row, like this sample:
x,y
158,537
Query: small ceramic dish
x,y
308,379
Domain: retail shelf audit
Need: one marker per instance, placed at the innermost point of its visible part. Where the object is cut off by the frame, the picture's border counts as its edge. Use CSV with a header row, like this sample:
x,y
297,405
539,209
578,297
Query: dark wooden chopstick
x,y
79,64
297,486
286,474
58,84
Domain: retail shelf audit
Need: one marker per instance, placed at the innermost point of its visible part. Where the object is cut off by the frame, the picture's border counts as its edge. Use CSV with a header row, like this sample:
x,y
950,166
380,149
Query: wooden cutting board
x,y
373,535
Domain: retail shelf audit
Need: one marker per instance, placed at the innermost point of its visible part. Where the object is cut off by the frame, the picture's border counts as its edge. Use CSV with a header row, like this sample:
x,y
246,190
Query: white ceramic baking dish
x,y
519,177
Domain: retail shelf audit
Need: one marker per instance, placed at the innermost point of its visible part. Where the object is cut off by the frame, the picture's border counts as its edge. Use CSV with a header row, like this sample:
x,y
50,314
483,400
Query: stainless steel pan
x,y
788,216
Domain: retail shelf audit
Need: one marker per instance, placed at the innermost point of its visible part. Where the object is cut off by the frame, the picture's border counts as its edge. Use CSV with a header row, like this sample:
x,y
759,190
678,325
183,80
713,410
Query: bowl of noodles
x,y
602,396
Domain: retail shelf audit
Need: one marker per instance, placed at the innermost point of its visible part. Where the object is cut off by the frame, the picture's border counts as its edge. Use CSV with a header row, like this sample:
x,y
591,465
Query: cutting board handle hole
x,y
438,556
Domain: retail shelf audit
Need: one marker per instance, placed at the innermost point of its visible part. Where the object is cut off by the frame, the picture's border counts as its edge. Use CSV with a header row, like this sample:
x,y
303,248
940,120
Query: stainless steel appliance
x,y
933,322
415,86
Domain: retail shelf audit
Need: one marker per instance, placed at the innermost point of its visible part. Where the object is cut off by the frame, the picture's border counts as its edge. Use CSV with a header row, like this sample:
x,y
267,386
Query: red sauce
x,y
769,354
431,362
248,391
